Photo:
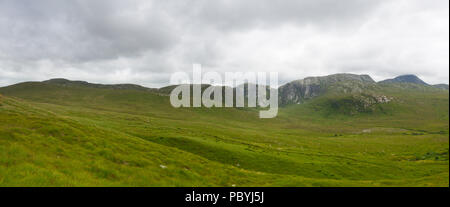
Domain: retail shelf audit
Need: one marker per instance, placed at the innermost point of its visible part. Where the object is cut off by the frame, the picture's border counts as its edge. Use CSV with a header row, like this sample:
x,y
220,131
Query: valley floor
x,y
137,141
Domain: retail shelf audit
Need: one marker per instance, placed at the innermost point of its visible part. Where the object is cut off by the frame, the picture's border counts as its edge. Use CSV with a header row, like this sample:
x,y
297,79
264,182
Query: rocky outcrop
x,y
369,100
353,104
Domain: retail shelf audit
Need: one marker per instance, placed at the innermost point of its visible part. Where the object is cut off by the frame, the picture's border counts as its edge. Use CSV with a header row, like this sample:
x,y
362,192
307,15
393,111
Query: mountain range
x,y
294,92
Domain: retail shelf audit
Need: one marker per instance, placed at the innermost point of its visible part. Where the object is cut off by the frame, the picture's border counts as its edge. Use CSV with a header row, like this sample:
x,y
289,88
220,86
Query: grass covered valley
x,y
338,130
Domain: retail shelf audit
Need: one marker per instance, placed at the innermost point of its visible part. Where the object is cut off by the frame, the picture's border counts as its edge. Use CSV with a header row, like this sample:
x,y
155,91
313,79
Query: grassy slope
x,y
78,136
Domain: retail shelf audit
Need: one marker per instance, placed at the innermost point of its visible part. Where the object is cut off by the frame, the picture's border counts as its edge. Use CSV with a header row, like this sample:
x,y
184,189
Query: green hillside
x,y
80,135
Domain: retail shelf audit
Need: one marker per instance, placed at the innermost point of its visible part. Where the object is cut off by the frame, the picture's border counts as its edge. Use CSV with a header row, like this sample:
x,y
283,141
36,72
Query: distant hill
x,y
441,86
412,79
65,82
405,79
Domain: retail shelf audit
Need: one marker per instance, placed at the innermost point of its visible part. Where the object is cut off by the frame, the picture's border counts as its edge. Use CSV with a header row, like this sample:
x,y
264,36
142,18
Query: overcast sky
x,y
143,42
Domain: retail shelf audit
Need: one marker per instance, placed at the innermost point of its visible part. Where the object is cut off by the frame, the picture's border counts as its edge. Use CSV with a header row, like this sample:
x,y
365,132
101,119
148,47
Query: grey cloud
x,y
81,30
143,41
245,14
